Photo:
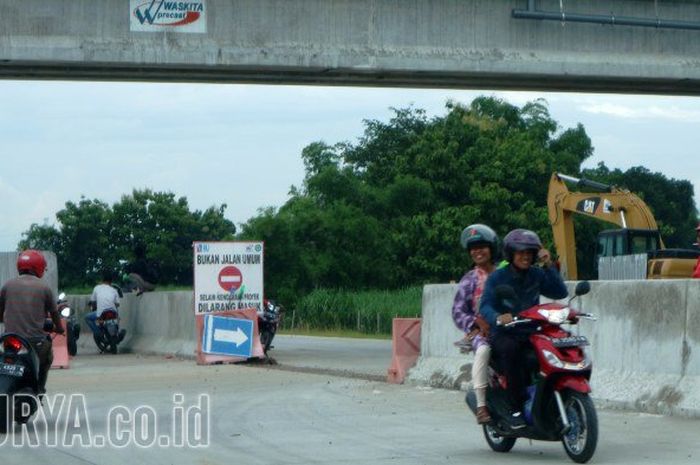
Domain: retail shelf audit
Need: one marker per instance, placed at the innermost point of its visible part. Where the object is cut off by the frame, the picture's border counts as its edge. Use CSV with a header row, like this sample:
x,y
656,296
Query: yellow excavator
x,y
639,233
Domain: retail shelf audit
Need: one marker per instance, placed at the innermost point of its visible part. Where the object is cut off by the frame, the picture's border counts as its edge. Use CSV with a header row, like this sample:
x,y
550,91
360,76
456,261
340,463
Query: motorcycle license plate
x,y
11,370
571,341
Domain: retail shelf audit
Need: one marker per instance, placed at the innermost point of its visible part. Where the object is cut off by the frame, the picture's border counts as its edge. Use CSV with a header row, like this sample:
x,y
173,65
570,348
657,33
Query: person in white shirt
x,y
104,297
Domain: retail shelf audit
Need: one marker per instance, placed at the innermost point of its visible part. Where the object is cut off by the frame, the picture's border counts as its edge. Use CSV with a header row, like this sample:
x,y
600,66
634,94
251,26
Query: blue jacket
x,y
527,286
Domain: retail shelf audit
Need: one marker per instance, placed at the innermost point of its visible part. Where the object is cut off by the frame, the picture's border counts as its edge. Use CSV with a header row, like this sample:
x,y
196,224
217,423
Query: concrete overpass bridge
x,y
636,46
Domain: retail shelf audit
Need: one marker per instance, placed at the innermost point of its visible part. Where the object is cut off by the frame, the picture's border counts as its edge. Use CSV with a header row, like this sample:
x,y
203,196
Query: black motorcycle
x,y
108,334
268,321
19,380
71,324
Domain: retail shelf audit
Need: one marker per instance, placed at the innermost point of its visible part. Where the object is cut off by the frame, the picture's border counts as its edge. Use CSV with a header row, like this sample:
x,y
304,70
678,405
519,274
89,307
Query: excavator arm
x,y
609,204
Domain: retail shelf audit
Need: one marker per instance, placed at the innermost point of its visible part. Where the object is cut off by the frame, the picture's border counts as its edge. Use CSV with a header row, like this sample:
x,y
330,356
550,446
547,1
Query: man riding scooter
x,y
24,304
104,297
521,248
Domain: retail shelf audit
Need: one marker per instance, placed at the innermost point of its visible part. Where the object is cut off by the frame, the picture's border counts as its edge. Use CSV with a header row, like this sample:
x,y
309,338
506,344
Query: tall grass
x,y
369,312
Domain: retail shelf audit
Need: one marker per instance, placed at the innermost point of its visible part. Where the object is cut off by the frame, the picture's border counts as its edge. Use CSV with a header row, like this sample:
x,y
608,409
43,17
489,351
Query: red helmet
x,y
31,261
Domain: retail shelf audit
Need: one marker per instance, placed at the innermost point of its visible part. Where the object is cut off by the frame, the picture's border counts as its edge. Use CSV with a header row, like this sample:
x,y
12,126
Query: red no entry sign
x,y
230,277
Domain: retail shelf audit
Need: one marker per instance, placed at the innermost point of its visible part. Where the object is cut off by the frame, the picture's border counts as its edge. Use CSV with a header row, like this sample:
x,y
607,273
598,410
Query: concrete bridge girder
x,y
421,43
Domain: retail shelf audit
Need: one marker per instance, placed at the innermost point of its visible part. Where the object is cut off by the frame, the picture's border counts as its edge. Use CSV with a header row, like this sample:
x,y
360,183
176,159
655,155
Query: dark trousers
x,y
43,347
510,352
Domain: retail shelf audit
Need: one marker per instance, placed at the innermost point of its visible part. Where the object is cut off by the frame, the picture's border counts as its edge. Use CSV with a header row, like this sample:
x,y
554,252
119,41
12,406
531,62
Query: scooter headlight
x,y
556,362
65,313
556,317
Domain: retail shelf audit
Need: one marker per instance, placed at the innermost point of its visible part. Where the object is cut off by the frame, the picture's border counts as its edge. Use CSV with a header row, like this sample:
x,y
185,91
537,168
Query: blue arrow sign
x,y
227,336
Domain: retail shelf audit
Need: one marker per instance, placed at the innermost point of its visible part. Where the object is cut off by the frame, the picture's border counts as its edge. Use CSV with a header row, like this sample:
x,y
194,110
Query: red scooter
x,y
559,407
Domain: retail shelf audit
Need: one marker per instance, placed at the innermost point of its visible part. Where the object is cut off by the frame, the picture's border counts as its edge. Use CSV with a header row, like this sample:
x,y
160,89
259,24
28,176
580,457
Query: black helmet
x,y
479,234
520,239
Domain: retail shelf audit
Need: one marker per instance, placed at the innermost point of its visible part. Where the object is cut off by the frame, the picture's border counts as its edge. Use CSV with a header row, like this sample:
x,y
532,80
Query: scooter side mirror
x,y
582,288
62,296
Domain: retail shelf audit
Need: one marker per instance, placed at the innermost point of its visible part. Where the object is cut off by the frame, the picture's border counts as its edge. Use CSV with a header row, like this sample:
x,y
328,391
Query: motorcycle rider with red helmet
x,y
509,349
24,303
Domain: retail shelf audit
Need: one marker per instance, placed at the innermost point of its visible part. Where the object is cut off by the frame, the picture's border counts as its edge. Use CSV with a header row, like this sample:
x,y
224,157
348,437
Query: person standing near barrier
x,y
481,242
25,303
696,273
143,273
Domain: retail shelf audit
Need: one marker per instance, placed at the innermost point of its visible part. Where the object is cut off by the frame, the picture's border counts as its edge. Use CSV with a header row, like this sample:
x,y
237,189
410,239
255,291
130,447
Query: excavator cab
x,y
615,242
661,263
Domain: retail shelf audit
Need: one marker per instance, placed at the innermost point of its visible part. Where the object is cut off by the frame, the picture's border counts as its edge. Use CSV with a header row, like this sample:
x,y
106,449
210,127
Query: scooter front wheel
x,y
71,341
266,339
497,442
582,437
72,347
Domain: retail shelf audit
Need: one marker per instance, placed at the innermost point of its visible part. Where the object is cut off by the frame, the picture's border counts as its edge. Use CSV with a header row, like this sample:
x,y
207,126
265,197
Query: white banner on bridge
x,y
172,16
228,276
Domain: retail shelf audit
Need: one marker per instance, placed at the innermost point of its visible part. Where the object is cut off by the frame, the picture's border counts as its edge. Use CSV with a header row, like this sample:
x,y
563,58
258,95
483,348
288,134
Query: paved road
x,y
263,415
368,358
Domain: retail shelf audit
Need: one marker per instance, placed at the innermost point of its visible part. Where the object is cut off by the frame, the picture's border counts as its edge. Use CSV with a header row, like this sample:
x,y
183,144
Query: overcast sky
x,y
240,144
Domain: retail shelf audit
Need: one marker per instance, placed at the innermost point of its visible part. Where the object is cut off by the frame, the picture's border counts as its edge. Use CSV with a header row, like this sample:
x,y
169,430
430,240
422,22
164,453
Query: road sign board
x,y
228,276
227,336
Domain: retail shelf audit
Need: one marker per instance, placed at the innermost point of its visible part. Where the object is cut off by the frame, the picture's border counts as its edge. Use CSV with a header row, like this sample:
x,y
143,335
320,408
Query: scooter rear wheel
x,y
7,416
100,342
497,442
581,439
26,397
113,345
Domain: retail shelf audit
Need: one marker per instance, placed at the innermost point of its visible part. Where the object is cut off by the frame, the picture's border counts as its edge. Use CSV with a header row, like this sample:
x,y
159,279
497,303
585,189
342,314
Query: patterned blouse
x,y
466,303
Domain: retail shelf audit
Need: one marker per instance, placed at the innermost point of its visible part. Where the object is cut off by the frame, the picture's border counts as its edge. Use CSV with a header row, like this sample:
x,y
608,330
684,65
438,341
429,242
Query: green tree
x,y
388,210
91,235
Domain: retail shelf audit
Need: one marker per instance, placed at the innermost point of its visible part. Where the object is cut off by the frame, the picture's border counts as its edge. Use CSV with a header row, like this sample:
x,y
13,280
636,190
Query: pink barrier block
x,y
60,349
405,347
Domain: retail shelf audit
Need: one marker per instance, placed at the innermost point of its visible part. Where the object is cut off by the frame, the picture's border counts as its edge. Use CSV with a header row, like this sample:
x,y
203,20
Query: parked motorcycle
x,y
19,379
71,324
268,321
108,335
559,407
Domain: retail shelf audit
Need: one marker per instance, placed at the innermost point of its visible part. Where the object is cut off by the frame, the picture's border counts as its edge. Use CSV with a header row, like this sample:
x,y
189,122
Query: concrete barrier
x,y
645,345
156,323
440,363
